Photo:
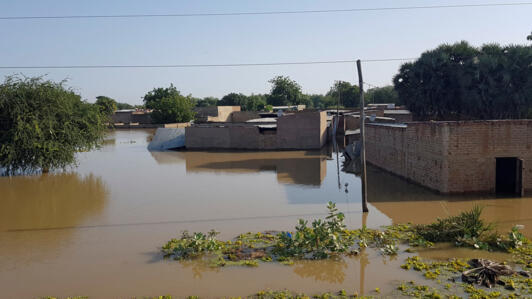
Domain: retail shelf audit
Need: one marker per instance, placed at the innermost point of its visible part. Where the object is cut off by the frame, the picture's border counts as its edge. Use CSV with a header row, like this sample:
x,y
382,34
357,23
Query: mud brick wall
x,y
414,152
302,130
451,157
474,146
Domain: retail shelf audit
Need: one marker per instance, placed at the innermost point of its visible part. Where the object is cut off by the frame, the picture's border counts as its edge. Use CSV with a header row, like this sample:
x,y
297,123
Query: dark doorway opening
x,y
509,176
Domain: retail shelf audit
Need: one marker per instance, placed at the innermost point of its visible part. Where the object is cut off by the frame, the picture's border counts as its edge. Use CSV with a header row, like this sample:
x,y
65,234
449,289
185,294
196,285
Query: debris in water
x,y
486,272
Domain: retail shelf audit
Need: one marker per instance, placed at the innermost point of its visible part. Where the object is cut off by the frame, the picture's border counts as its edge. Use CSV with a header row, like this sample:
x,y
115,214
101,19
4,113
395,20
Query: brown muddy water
x,y
96,231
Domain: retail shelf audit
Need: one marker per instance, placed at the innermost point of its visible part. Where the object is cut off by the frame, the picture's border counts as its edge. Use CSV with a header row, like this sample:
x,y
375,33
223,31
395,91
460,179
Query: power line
x,y
200,65
251,13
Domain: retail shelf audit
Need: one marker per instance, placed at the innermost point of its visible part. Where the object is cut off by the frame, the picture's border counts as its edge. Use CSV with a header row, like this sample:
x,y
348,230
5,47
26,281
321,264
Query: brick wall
x,y
451,157
304,130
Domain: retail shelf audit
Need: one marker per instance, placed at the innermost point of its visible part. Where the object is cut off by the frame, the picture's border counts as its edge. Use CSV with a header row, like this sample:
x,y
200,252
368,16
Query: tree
x,y
233,99
206,102
381,95
348,94
285,92
43,124
158,94
176,108
106,105
463,82
255,102
122,106
529,37
246,103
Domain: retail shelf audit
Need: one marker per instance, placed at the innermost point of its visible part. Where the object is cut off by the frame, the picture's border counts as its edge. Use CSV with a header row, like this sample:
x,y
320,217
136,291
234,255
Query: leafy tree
x,y
206,102
463,82
106,105
255,102
176,108
285,92
246,103
529,37
158,94
348,94
43,124
380,95
122,106
233,99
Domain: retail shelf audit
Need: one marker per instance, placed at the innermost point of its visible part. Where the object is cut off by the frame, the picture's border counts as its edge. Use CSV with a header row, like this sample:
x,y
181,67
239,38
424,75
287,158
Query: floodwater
x,y
96,230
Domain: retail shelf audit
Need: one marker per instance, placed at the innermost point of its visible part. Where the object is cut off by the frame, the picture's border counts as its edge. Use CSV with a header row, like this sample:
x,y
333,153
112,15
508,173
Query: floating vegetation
x,y
324,238
329,237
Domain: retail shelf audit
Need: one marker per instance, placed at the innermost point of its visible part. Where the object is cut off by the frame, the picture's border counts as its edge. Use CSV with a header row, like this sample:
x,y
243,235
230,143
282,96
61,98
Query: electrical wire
x,y
251,13
201,65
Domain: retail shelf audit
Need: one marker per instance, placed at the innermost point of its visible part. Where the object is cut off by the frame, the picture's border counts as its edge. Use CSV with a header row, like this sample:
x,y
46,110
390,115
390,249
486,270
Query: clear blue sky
x,y
237,39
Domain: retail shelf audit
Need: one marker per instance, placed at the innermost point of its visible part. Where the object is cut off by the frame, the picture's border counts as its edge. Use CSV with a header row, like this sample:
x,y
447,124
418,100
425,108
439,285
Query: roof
x,y
397,112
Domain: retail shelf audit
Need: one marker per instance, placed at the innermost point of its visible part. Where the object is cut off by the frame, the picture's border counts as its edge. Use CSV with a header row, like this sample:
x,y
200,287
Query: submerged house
x,y
456,156
298,130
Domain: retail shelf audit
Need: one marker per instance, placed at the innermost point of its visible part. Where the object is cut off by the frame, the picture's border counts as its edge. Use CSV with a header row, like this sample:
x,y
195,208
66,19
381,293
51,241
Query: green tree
x,y
348,94
176,108
43,124
255,102
381,95
158,94
122,106
106,105
206,102
285,92
463,82
233,99
529,37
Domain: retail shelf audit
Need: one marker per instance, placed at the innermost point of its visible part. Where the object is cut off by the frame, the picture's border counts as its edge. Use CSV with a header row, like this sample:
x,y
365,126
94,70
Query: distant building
x,y
456,156
221,114
289,108
132,118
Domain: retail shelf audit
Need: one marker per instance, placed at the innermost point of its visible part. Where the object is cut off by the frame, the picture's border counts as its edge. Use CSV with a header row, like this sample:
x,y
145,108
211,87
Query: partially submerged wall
x,y
451,157
304,130
473,147
415,152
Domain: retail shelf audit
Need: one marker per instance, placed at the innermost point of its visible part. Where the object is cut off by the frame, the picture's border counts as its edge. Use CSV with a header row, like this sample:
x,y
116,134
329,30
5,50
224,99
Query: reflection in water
x,y
331,271
292,167
199,267
50,200
407,202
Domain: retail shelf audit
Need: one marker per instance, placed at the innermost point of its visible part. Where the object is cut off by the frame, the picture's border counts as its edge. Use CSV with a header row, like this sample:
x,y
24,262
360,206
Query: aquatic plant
x,y
192,245
323,238
467,224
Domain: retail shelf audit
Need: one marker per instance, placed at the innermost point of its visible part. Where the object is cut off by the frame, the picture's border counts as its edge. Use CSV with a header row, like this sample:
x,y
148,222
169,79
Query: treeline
x,y
287,92
284,92
460,82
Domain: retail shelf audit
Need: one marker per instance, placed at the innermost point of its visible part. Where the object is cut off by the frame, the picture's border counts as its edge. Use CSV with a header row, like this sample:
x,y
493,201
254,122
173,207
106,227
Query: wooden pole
x,y
362,140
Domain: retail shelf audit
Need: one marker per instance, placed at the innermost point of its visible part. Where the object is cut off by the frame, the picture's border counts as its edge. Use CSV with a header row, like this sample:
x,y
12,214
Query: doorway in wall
x,y
509,176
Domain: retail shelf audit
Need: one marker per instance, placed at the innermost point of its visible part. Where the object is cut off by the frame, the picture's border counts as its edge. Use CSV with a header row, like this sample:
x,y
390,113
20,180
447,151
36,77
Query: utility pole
x,y
362,141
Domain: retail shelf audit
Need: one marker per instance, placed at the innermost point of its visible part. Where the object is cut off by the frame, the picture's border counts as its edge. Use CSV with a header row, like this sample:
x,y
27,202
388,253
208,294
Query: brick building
x,y
298,130
456,157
